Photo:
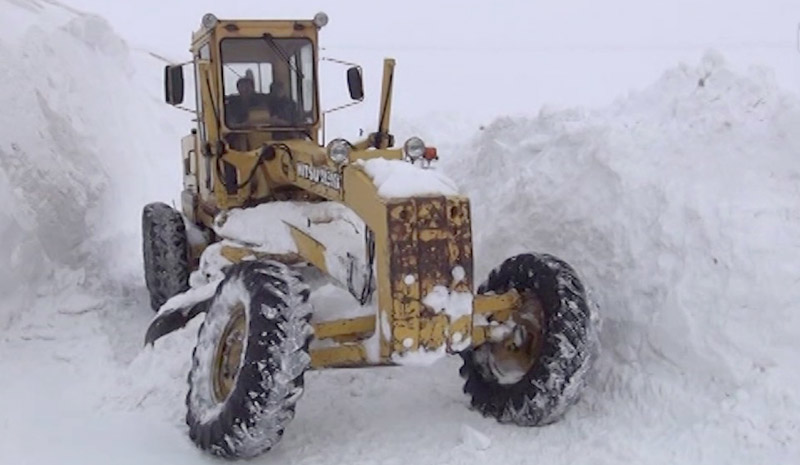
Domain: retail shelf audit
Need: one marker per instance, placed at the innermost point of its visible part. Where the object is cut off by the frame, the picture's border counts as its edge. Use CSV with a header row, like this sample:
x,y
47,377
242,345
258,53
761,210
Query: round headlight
x,y
414,148
209,20
339,151
320,20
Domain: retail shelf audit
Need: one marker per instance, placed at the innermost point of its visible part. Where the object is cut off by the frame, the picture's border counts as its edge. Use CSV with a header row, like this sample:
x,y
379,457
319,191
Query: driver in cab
x,y
251,107
239,106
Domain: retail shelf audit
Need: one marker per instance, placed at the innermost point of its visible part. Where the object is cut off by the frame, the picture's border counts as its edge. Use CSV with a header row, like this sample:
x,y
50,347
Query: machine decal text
x,y
320,175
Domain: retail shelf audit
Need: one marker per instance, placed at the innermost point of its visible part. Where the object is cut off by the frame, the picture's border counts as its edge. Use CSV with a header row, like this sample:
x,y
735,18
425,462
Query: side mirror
x,y
355,84
173,84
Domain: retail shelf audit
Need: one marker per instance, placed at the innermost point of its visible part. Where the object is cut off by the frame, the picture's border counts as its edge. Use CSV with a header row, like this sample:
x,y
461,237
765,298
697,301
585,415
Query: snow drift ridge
x,y
679,205
76,158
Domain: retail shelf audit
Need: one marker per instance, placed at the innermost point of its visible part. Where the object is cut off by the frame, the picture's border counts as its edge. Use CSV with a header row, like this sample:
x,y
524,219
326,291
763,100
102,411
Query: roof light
x,y
209,20
320,20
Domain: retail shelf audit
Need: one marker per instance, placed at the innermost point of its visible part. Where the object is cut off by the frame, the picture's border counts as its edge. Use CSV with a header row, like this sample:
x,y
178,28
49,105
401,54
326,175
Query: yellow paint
x,y
499,307
344,327
309,248
340,356
495,303
236,254
418,241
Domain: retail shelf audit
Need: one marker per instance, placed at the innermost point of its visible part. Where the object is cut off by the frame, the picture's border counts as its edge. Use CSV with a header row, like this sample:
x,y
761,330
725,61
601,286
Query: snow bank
x,y
84,143
679,205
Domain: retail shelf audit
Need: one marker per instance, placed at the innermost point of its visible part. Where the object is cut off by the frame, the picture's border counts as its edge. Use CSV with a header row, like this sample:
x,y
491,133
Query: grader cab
x,y
265,205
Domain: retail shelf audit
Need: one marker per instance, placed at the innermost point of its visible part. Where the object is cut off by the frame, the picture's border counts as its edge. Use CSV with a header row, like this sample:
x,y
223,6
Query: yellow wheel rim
x,y
514,355
228,355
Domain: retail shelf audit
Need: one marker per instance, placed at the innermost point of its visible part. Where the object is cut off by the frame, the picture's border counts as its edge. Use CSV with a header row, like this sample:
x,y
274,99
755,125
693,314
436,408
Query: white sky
x,y
480,59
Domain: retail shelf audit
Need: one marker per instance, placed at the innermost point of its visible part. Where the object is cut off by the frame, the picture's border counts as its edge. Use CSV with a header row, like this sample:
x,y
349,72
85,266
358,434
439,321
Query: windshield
x,y
268,82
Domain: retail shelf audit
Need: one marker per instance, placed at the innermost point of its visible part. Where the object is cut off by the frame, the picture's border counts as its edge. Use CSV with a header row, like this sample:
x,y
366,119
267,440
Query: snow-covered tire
x,y
567,349
249,419
166,252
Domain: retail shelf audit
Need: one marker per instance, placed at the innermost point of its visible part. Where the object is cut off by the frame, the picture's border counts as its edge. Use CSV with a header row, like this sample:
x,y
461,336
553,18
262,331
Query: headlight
x,y
320,20
414,148
339,151
209,20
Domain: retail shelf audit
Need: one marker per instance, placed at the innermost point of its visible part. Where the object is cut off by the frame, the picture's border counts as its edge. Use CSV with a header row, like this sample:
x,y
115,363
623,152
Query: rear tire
x,y
166,253
243,412
542,393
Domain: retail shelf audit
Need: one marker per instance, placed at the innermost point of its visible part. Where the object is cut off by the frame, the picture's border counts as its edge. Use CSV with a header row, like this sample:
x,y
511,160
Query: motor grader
x,y
270,213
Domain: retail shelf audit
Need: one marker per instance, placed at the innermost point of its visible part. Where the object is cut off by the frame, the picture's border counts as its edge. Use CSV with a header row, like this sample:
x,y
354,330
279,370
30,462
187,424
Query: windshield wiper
x,y
271,41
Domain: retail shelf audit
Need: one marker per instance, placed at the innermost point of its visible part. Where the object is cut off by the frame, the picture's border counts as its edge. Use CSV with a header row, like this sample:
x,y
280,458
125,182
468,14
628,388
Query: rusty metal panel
x,y
431,213
434,264
428,238
433,243
432,331
402,218
458,217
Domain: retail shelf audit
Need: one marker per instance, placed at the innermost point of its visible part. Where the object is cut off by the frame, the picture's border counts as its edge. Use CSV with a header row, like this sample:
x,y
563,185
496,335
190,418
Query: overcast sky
x,y
480,59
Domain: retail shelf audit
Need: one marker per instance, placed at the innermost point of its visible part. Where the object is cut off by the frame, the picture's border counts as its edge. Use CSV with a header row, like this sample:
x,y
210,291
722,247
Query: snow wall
x,y
85,141
680,206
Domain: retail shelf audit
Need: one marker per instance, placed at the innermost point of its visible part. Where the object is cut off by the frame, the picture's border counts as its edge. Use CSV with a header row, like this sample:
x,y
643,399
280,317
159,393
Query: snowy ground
x,y
678,204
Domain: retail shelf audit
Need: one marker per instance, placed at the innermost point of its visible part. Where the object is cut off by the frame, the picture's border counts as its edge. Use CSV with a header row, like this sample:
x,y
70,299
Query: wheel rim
x,y
228,355
511,357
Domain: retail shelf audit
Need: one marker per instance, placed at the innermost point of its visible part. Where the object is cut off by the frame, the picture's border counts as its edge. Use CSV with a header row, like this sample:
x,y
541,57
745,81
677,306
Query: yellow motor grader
x,y
270,213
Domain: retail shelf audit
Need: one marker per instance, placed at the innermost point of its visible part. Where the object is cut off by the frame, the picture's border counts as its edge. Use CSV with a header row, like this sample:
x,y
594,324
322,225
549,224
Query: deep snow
x,y
678,205
77,160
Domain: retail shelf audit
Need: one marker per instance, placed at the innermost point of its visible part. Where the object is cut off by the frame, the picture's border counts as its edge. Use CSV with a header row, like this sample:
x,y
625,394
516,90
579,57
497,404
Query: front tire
x,y
538,390
166,252
248,365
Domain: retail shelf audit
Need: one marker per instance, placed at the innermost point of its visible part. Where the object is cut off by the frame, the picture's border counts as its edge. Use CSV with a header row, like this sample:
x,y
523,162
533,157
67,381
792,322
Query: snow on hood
x,y
265,226
398,178
679,205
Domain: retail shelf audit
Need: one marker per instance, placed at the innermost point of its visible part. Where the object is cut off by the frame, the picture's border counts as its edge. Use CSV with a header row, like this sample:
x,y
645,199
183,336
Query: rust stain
x,y
428,238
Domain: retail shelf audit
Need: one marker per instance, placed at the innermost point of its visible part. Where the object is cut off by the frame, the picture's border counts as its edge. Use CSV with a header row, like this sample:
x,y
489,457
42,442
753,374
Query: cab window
x,y
268,82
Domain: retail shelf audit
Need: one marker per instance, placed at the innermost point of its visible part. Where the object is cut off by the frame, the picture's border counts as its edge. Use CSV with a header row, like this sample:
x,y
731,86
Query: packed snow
x,y
677,204
266,228
454,304
399,178
77,160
